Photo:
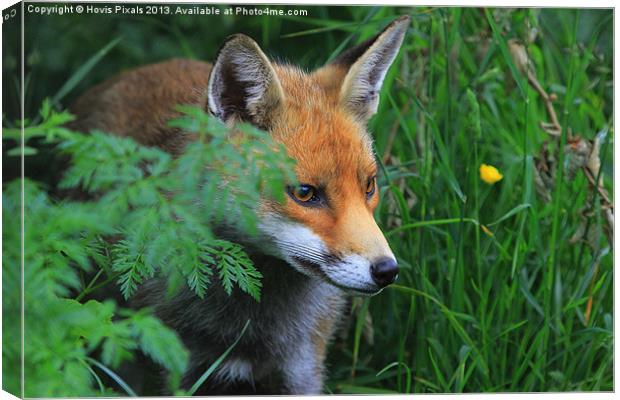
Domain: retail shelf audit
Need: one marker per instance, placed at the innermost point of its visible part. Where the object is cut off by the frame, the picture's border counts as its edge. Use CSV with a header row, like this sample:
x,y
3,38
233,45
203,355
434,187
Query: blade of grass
x,y
359,327
94,375
499,40
114,376
438,374
407,372
217,362
77,77
342,45
510,213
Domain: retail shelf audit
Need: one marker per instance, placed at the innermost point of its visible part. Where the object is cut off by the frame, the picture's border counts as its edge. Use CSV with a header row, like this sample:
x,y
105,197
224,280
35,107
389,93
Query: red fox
x,y
319,245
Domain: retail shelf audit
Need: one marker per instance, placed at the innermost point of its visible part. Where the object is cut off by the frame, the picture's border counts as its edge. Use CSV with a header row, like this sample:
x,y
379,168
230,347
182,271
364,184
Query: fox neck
x,y
290,306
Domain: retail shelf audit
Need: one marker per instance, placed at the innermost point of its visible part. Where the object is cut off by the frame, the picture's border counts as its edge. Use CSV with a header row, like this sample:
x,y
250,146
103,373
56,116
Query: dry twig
x,y
525,65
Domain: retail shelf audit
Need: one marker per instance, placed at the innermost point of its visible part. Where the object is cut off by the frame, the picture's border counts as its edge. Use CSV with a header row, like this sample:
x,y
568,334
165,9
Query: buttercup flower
x,y
490,174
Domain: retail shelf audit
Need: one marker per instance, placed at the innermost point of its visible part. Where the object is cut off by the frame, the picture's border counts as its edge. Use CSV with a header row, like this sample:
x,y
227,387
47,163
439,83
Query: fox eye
x,y
371,186
304,194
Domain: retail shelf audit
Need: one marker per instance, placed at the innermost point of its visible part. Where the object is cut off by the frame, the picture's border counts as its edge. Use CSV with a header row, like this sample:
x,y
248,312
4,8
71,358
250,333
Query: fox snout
x,y
384,271
365,271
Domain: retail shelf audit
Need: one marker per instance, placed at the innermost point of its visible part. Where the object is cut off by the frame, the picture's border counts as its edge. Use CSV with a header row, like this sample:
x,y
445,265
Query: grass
x,y
492,296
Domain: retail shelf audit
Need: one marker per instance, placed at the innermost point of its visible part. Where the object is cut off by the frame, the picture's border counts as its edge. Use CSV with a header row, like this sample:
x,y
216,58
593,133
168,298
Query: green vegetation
x,y
504,286
130,231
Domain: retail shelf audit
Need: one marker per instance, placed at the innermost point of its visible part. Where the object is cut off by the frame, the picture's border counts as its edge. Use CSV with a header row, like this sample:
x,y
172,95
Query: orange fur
x,y
332,149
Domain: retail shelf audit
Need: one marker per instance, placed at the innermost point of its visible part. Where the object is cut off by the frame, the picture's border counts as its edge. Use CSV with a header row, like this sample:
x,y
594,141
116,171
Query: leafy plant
x,y
150,216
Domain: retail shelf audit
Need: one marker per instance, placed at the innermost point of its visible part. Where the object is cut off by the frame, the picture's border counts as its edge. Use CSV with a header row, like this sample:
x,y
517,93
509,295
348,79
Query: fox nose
x,y
384,271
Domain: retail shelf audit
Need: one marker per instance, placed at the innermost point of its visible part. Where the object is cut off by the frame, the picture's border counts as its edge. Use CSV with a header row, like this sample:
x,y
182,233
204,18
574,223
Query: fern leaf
x,y
235,267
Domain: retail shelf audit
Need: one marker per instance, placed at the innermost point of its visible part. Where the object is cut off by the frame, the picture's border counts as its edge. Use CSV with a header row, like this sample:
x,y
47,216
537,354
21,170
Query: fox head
x,y
326,227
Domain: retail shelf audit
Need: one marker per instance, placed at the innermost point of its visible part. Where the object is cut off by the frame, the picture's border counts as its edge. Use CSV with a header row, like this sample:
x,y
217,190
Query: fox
x,y
315,249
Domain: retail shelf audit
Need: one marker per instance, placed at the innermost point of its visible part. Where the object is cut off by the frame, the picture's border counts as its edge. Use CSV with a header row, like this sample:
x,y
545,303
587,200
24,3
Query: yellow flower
x,y
490,174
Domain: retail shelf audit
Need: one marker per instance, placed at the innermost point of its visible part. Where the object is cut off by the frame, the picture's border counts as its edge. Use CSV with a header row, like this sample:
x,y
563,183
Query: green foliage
x,y
50,129
62,332
164,348
146,193
234,267
150,216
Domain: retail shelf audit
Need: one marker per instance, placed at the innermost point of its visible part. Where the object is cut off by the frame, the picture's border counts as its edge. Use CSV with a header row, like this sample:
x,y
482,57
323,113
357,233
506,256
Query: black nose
x,y
384,271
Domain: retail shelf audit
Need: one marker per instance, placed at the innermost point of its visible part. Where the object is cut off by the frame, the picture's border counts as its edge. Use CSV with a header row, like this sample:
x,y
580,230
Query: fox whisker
x,y
310,253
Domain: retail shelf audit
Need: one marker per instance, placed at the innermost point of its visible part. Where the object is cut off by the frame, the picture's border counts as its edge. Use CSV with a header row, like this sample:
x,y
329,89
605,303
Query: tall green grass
x,y
492,295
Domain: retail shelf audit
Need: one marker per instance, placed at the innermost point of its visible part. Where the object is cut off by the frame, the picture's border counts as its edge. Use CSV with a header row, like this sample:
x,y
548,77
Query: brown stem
x,y
554,128
601,190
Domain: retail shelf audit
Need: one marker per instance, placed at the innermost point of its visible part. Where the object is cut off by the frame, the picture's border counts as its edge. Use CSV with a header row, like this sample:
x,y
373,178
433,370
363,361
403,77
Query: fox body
x,y
320,244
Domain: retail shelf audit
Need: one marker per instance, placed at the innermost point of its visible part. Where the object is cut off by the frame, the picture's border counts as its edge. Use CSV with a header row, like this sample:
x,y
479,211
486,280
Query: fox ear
x,y
367,65
243,84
